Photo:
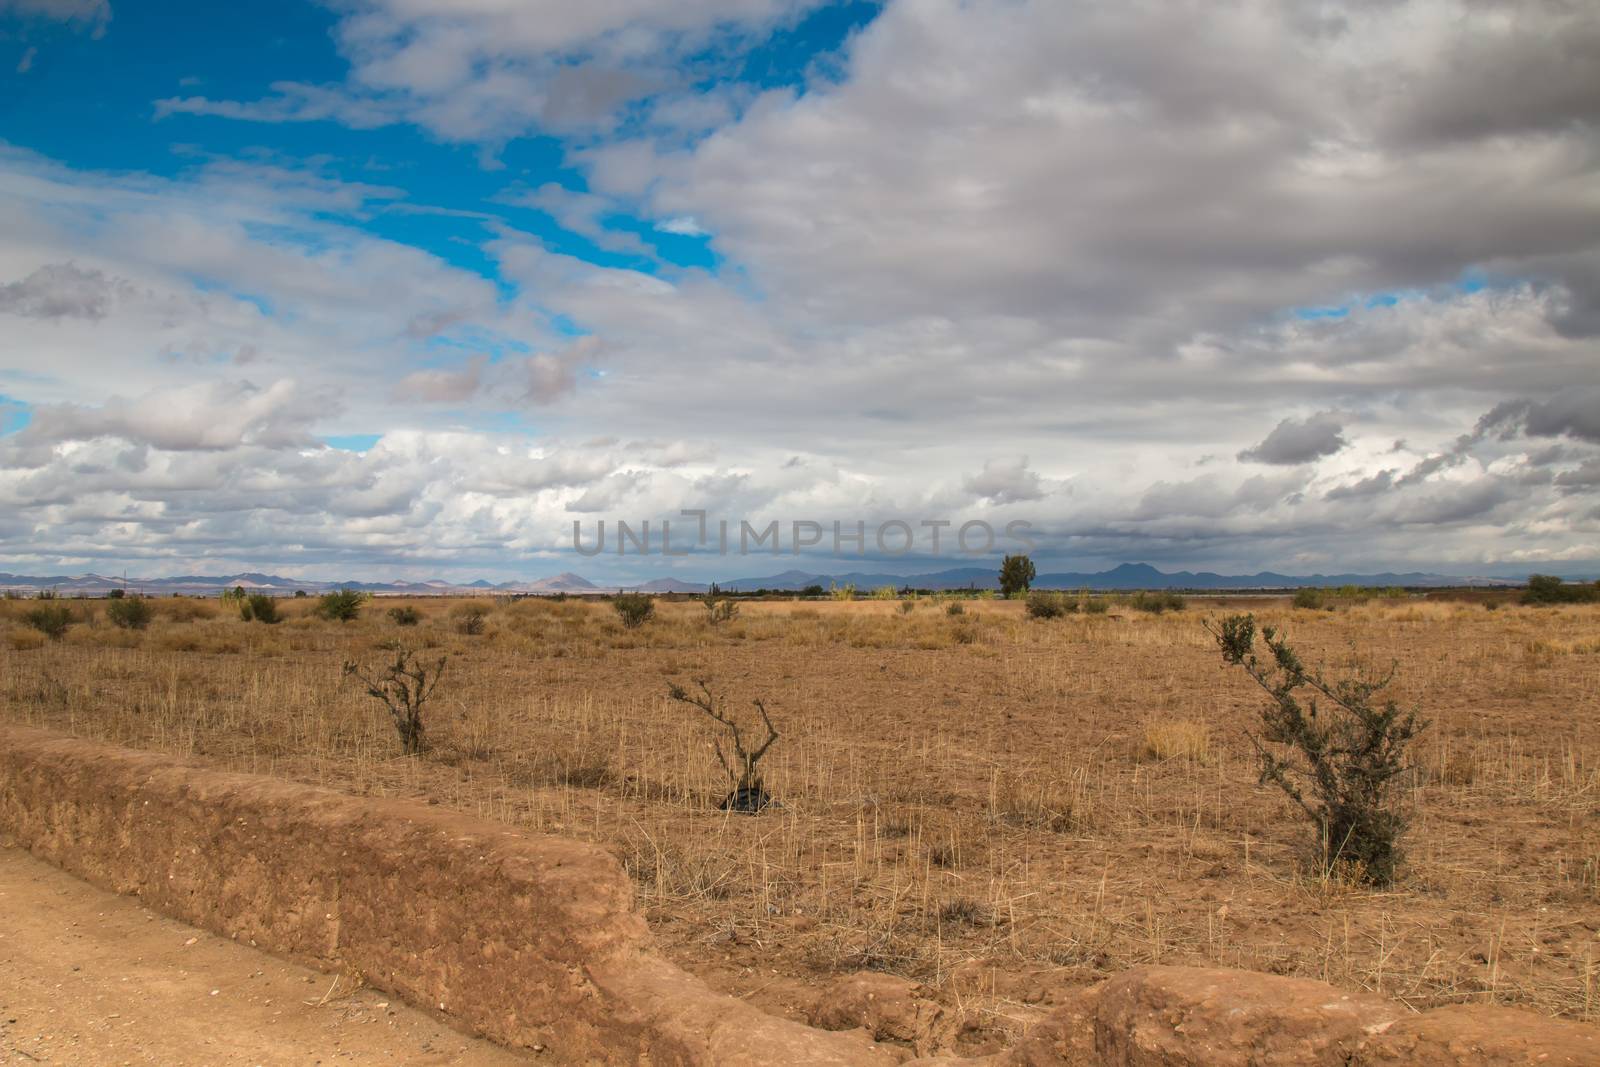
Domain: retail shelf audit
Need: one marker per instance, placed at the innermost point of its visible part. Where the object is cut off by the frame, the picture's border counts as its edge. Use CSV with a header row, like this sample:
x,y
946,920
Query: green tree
x,y
635,609
130,613
1016,574
341,606
259,607
51,620
1549,589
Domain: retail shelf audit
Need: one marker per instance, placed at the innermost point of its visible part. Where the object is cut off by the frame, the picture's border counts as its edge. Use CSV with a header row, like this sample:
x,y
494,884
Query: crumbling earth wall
x,y
527,939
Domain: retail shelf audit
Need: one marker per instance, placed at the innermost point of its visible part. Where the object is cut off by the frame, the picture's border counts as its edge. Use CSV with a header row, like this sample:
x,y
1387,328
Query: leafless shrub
x,y
403,686
748,793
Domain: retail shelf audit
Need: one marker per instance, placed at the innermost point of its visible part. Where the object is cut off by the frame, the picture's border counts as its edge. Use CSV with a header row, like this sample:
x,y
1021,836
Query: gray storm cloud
x,y
60,291
1295,441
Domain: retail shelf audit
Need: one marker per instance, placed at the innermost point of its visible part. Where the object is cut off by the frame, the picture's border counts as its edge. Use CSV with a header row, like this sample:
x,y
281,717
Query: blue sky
x,y
387,288
92,102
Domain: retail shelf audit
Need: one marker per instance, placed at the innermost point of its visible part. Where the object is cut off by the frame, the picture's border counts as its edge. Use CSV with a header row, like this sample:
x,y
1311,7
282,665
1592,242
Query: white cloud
x,y
683,225
488,71
1074,232
1005,481
442,386
210,417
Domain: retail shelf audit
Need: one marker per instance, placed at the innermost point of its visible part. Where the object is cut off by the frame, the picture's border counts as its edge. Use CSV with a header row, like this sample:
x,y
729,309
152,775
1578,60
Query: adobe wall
x,y
523,938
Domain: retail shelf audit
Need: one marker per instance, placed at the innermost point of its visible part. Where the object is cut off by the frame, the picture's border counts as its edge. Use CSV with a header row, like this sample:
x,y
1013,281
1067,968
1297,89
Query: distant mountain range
x,y
1125,576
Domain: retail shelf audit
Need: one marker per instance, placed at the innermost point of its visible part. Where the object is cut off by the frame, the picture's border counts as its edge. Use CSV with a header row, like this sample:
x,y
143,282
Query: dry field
x,y
994,805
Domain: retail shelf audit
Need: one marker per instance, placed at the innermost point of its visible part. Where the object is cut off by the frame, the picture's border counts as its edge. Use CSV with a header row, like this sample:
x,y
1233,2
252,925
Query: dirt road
x,y
90,979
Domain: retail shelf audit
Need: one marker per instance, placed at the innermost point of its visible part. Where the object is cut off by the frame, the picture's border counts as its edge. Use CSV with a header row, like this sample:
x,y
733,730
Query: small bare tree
x,y
403,686
748,794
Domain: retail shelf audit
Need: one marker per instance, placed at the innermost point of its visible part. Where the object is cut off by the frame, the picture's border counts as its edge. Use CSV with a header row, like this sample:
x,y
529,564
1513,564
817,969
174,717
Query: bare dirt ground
x,y
996,806
90,979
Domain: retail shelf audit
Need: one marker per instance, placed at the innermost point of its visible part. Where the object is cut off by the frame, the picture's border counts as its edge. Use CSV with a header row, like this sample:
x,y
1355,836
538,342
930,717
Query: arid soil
x,y
94,980
996,806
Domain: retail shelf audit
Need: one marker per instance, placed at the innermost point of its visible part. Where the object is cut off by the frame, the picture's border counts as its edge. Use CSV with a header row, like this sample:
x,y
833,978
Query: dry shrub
x,y
1157,601
1452,767
1038,799
634,609
50,620
259,607
692,870
1183,739
192,638
1047,605
183,609
26,640
469,618
403,687
130,612
964,911
952,845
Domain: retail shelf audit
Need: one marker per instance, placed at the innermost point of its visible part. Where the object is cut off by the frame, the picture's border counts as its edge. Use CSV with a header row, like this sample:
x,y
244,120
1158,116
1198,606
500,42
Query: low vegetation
x,y
51,619
342,605
977,800
403,686
1157,602
1548,589
1177,739
719,609
1316,598
259,607
1043,605
1339,763
634,609
470,618
129,612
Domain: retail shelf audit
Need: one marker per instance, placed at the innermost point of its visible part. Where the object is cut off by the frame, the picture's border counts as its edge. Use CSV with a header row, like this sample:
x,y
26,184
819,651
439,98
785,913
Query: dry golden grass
x,y
989,803
1183,739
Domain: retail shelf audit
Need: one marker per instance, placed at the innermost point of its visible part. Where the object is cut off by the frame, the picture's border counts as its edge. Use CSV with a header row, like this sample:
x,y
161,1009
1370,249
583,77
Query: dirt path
x,y
88,978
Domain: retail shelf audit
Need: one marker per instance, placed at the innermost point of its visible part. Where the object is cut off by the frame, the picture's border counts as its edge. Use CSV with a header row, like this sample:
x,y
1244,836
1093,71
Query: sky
x,y
385,289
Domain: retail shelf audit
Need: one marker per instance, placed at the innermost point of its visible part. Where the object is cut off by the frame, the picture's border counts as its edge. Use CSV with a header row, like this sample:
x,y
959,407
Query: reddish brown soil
x,y
92,979
979,802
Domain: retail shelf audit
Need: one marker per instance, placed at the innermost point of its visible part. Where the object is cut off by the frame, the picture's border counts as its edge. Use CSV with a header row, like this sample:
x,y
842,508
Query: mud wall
x,y
526,939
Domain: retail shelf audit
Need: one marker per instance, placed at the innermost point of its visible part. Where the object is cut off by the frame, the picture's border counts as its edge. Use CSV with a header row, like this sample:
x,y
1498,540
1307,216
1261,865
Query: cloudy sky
x,y
403,288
